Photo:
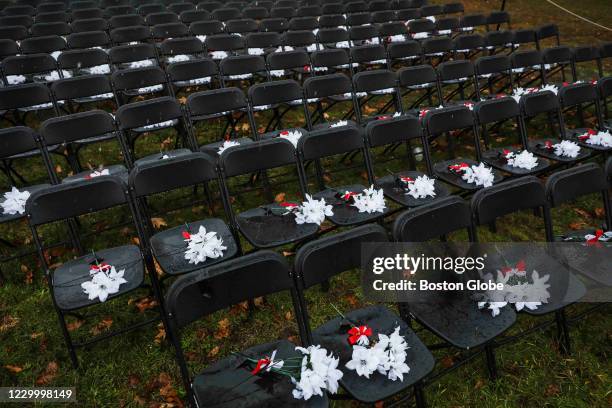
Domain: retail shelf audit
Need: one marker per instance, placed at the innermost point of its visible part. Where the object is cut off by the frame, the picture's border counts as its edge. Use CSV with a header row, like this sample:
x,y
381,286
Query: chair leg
x,y
71,349
563,332
419,395
491,366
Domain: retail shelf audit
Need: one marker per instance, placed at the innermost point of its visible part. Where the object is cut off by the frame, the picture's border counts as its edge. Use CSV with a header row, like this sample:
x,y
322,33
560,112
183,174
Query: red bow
x,y
284,133
594,82
356,332
506,152
407,179
520,266
288,204
383,117
595,239
306,68
566,84
468,104
587,135
458,167
422,113
100,268
186,235
261,364
548,145
347,196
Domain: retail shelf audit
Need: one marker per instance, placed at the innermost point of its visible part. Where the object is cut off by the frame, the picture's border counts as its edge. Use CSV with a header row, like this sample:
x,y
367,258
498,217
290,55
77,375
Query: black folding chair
x,y
168,247
496,70
202,293
589,59
528,67
65,202
83,91
376,84
20,101
422,82
461,76
268,225
557,60
312,267
132,83
327,91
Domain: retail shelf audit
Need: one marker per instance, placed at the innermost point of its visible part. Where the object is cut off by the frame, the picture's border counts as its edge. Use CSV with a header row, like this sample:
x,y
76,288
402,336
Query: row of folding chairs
x,y
221,283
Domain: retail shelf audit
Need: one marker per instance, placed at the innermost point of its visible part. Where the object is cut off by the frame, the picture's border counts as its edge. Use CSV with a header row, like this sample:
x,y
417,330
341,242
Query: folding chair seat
x,y
548,31
51,17
181,49
267,225
241,26
209,5
276,25
133,56
288,64
326,92
376,84
566,186
498,18
454,8
312,270
80,92
203,29
300,39
393,31
19,10
388,134
62,203
23,20
400,53
470,45
527,193
226,103
495,112
82,14
332,21
162,17
579,96
149,116
89,24
126,20
50,7
8,48
192,75
76,131
147,9
87,40
255,12
334,8
15,33
454,317
178,8
496,41
283,12
30,68
497,71
364,57
16,143
546,102
557,59
130,35
168,247
161,32
459,74
49,44
262,43
50,29
528,65
585,56
230,378
191,16
525,37
358,19
364,34
220,46
303,23
453,119
119,10
130,83
280,97
225,14
471,22
419,78
421,28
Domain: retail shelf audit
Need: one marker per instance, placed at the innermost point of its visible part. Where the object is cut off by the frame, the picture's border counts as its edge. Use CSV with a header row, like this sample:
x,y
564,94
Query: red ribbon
x,y
186,235
288,204
548,145
422,113
587,135
347,196
356,332
520,266
595,239
383,117
284,133
261,364
407,179
98,268
458,167
306,68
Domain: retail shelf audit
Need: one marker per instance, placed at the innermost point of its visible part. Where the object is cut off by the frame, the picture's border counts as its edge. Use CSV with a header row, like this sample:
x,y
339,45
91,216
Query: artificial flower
x,y
141,63
15,79
363,361
256,51
421,187
97,173
218,55
479,175
203,245
524,159
597,138
178,58
292,135
150,89
267,364
105,281
226,145
339,123
566,148
359,335
312,211
370,201
14,201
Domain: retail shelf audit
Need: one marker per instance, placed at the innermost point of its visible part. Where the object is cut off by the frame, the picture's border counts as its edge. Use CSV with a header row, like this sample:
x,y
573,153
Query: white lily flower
x,y
292,135
524,160
14,201
313,211
98,173
479,175
339,123
141,64
364,361
15,79
226,145
370,201
566,148
178,58
422,187
203,245
256,51
103,283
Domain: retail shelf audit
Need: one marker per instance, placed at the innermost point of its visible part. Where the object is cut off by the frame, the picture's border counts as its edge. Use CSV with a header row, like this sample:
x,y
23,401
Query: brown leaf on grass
x,y
191,356
48,374
125,231
325,115
169,394
293,339
288,315
35,335
245,127
72,326
364,175
161,334
327,177
58,169
379,404
552,390
102,326
213,352
160,272
166,143
288,253
158,222
447,361
280,197
600,212
182,100
582,213
479,384
8,322
352,300
145,303
136,241
577,225
139,400
223,329
259,301
29,276
13,369
133,380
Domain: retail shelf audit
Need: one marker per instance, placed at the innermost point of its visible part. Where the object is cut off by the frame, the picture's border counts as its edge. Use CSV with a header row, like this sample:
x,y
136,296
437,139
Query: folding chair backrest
x,y
332,35
68,200
567,185
303,23
25,95
274,24
586,53
192,70
373,80
8,48
43,44
242,64
498,18
136,78
178,46
260,155
526,59
17,140
201,293
51,28
457,69
13,32
540,102
417,75
225,14
287,60
89,24
126,20
492,64
162,17
131,52
393,130
191,16
169,30
358,19
87,39
130,34
329,142
169,174
502,38
446,119
367,53
327,85
505,198
364,32
404,49
524,36
332,20
299,38
28,64
437,45
557,55
577,94
256,13
224,42
77,126
22,20
241,26
270,93
148,112
93,12
468,42
322,259
496,110
433,220
605,87
263,40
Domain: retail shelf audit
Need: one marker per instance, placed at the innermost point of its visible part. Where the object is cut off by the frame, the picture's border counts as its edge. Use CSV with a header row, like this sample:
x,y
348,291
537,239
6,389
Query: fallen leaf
x,y
379,404
58,169
352,300
600,212
72,326
182,100
327,177
136,241
133,380
191,356
48,375
479,384
223,330
161,334
139,400
447,361
158,222
35,335
13,369
552,390
577,225
582,213
126,231
102,326
145,303
29,276
245,127
166,143
259,301
280,197
160,272
288,253
8,322
213,352
288,315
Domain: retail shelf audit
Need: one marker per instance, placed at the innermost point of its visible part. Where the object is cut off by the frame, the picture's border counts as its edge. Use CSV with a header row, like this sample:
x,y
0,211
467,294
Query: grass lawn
x,y
138,369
